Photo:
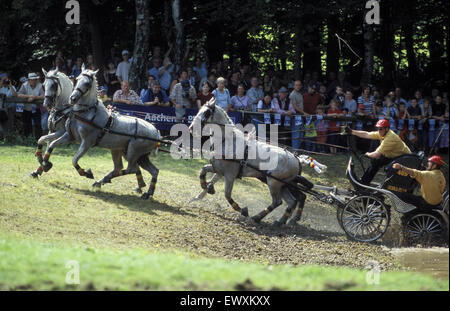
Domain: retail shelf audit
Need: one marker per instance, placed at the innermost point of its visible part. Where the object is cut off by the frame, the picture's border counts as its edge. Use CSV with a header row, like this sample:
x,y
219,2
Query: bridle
x,y
88,87
58,84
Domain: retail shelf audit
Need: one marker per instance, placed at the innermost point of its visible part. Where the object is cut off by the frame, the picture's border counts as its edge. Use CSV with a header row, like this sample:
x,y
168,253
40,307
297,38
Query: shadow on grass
x,y
131,201
298,230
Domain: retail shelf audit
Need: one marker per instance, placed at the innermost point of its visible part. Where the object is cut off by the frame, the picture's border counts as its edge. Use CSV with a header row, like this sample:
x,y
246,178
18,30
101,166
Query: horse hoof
x,y
211,190
47,166
142,185
97,185
256,219
145,196
89,174
34,175
277,224
244,212
292,222
138,190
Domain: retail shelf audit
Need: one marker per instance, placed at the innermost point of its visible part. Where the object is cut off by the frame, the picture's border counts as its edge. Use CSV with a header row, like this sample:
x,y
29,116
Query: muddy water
x,y
432,261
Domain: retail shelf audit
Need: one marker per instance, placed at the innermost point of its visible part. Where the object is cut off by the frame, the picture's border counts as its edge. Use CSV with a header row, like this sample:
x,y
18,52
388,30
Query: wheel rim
x,y
365,218
424,227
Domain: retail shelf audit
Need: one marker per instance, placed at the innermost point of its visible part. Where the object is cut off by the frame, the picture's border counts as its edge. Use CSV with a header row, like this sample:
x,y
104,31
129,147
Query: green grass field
x,y
123,242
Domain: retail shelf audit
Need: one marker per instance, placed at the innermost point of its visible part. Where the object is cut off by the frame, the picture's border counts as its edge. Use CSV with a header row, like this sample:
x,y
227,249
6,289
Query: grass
x,y
29,265
123,242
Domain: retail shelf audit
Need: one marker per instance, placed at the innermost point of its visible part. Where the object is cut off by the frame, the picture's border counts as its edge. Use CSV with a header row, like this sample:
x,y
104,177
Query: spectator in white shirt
x,y
124,67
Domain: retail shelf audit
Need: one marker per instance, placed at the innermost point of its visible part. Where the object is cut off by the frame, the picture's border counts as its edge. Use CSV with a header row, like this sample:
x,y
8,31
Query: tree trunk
x,y
141,46
409,46
93,13
244,47
332,46
283,56
367,70
298,52
179,47
387,52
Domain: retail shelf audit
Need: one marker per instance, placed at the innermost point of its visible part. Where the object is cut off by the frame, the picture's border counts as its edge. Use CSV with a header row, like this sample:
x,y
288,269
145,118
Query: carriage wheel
x,y
365,218
424,228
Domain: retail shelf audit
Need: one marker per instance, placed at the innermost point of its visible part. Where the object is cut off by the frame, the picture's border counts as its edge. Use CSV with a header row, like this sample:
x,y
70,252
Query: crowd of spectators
x,y
416,117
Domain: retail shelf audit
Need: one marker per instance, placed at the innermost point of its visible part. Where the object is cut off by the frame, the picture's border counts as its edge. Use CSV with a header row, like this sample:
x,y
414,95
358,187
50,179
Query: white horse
x,y
91,124
283,176
58,88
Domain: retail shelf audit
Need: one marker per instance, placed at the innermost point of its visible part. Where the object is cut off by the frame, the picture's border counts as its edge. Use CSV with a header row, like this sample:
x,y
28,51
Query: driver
x,y
432,184
391,147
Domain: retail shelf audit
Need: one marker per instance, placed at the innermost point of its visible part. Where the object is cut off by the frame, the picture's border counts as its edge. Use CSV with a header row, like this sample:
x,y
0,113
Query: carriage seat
x,y
398,181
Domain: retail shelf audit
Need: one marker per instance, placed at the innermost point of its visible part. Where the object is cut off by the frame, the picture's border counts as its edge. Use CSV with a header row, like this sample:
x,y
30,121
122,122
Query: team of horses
x,y
78,116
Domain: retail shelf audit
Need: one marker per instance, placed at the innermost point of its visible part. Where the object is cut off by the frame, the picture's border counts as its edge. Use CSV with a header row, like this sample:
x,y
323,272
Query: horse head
x,y
211,113
85,82
52,87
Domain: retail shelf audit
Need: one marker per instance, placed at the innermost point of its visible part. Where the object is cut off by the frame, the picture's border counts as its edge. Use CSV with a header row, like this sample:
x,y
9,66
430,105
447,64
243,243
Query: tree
x,y
179,35
141,45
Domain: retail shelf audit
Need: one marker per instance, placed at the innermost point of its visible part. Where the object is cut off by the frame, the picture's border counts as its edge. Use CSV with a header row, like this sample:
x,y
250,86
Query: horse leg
x,y
140,181
84,147
229,181
118,166
64,139
275,188
209,187
44,140
301,198
145,163
291,202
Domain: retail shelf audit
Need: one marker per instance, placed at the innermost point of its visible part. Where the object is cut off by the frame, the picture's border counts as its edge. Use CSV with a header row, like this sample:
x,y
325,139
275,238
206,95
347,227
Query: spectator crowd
x,y
416,117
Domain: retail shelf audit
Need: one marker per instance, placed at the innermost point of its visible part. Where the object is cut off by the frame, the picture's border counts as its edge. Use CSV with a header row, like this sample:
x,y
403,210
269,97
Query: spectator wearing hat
x,y
126,95
31,90
124,67
155,96
182,96
282,104
311,100
102,94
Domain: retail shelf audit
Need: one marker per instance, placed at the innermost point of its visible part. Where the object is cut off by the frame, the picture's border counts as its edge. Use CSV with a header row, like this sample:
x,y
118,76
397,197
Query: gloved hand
x,y
348,130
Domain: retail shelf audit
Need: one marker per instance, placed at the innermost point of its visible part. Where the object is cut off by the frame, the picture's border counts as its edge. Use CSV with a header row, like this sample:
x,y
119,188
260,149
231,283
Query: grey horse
x,y
286,171
92,124
58,88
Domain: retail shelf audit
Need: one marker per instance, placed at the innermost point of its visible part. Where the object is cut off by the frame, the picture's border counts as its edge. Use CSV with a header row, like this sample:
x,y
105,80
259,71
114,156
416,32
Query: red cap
x,y
383,123
361,106
436,160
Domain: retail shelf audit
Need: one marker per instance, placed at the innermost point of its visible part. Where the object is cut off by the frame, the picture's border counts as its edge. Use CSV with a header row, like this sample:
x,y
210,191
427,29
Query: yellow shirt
x,y
432,185
391,145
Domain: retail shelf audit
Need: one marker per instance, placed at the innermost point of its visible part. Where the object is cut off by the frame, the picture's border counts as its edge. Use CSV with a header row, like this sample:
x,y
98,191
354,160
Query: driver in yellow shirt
x,y
432,184
391,147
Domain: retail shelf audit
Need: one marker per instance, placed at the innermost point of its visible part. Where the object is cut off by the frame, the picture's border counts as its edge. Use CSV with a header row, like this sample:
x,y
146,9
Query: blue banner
x,y
277,119
298,120
164,117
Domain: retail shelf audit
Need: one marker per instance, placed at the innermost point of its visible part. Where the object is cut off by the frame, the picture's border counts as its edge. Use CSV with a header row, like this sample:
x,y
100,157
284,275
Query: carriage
x,y
364,212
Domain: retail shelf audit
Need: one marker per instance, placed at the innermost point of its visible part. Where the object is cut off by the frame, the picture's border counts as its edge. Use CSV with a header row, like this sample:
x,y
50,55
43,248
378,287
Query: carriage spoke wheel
x,y
424,228
365,218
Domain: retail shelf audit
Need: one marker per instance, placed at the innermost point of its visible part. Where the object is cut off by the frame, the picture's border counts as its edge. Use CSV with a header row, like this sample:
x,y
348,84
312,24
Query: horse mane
x,y
65,82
